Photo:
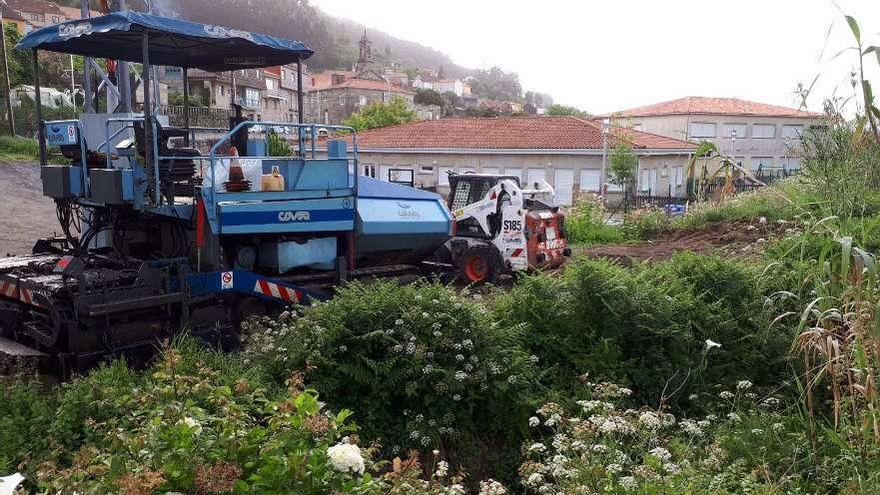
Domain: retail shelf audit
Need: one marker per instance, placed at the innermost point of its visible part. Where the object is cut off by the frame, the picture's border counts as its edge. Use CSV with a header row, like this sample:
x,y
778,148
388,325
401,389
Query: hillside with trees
x,y
335,40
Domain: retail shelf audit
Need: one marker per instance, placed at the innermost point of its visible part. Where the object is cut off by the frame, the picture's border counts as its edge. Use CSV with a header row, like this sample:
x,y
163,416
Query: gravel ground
x,y
25,214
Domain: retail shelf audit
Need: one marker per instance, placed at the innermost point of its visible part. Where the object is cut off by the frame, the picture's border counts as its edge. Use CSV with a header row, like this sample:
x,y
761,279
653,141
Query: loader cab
x,y
467,189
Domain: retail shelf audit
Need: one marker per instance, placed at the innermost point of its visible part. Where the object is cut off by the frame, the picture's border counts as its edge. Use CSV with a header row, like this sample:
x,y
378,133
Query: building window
x,y
363,101
426,170
368,170
764,131
646,180
341,100
791,163
702,130
221,91
679,176
271,84
792,131
251,98
56,19
36,17
742,130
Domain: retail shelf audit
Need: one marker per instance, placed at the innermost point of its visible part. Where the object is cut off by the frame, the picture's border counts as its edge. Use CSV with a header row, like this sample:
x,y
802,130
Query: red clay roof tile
x,y
544,133
698,105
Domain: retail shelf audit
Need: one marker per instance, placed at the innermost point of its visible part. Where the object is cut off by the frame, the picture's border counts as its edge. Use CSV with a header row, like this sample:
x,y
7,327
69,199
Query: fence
x,y
198,116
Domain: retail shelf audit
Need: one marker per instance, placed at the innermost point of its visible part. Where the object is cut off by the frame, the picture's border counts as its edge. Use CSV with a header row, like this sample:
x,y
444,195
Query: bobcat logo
x,y
294,216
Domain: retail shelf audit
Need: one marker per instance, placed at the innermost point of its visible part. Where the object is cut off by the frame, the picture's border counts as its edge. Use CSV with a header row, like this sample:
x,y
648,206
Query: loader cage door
x,y
468,189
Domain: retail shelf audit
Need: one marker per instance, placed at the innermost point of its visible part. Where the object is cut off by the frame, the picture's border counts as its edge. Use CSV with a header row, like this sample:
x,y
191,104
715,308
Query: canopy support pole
x,y
300,108
41,131
148,114
299,91
186,105
88,105
123,77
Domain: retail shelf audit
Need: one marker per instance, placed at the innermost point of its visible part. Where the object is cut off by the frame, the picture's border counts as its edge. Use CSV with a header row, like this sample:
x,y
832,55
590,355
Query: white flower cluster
x,y
610,425
346,458
743,385
492,487
442,469
595,405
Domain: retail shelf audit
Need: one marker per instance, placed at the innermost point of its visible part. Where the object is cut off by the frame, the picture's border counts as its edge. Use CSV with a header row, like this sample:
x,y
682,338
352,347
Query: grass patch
x,y
22,149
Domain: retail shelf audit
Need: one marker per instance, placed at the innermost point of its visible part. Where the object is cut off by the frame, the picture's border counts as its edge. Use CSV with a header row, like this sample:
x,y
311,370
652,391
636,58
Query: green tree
x,y
429,97
379,114
622,163
496,84
565,111
20,65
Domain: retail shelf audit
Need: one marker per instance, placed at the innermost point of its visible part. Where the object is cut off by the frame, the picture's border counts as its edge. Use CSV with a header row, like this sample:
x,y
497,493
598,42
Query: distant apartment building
x,y
28,15
334,104
758,136
268,94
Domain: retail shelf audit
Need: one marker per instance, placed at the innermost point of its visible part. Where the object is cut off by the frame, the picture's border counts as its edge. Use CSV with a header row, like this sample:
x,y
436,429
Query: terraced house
x,y
565,151
758,136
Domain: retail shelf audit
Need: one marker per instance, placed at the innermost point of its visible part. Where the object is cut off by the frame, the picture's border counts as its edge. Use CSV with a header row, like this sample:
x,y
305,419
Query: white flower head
x,y
711,344
192,424
534,421
442,469
346,458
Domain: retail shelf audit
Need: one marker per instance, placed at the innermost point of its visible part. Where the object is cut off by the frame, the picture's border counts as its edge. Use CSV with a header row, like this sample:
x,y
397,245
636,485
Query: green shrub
x,y
423,366
645,224
584,225
647,325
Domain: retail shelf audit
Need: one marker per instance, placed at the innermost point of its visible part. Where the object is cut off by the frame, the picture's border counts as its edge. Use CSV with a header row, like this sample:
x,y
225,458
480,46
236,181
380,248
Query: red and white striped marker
x,y
270,289
12,291
9,290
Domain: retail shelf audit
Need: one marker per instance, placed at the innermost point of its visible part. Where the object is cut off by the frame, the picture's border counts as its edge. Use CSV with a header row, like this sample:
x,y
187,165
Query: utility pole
x,y
606,128
9,113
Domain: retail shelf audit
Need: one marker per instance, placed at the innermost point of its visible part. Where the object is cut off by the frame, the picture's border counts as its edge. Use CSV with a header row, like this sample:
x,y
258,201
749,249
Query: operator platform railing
x,y
313,148
302,132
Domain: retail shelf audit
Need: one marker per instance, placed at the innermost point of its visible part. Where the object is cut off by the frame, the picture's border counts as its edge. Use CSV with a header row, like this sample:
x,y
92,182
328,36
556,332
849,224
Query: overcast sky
x,y
606,55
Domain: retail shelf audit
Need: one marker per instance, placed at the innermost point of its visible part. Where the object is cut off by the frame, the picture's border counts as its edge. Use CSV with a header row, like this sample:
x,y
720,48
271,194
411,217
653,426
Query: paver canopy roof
x,y
173,42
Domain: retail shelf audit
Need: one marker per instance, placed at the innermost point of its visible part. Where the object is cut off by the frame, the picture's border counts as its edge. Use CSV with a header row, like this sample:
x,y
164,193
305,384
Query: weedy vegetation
x,y
700,374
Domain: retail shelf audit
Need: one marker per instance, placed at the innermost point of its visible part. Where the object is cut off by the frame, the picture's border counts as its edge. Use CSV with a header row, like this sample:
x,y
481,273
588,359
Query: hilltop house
x,y
565,151
759,136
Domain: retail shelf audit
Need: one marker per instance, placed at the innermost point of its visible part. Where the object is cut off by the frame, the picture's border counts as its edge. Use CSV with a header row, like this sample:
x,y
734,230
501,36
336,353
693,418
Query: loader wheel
x,y
478,266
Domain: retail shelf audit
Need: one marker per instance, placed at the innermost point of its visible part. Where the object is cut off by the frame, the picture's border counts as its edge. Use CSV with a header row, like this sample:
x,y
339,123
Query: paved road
x,y
25,214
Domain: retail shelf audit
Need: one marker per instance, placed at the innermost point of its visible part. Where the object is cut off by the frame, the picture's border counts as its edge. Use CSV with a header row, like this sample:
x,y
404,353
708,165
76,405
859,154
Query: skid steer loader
x,y
503,228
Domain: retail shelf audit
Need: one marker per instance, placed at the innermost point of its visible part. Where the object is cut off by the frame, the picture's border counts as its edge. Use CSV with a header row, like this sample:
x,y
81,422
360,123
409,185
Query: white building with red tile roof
x,y
565,151
756,135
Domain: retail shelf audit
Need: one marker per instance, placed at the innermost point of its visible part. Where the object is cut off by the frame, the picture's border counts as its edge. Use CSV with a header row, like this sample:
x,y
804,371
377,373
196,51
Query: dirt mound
x,y
742,238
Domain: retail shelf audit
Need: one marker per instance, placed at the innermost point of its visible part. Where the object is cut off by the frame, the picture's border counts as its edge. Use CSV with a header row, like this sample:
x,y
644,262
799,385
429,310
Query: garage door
x,y
514,172
384,171
590,180
536,174
563,183
443,177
